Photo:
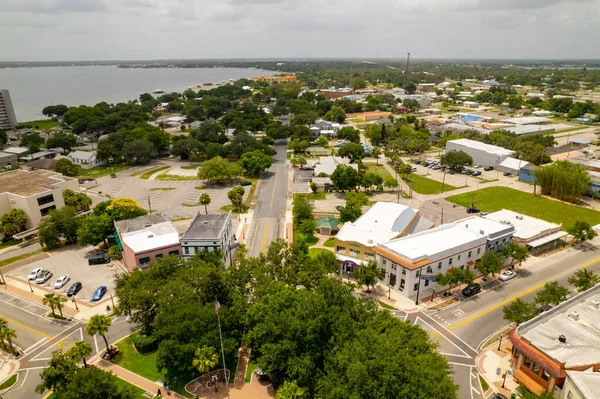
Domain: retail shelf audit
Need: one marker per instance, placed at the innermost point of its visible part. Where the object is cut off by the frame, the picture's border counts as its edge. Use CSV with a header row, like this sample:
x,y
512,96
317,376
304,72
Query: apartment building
x,y
8,119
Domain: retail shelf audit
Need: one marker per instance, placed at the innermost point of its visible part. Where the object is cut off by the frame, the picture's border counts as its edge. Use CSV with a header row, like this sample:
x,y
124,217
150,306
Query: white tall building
x,y
8,119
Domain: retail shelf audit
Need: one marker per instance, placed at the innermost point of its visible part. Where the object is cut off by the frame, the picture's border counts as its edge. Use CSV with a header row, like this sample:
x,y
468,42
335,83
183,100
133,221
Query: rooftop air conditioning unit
x,y
574,315
520,217
562,339
596,303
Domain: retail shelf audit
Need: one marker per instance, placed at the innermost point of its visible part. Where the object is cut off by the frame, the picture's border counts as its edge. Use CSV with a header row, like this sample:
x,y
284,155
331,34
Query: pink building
x,y
146,239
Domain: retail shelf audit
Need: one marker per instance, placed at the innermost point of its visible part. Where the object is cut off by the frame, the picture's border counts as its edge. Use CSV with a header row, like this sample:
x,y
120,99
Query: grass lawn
x,y
190,167
200,187
162,189
377,169
43,124
312,240
424,185
99,171
248,201
313,252
228,208
8,383
317,196
493,199
329,243
18,258
176,177
251,367
149,173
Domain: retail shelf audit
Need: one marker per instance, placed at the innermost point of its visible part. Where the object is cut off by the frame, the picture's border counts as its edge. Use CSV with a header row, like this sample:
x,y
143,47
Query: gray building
x,y
483,154
6,159
8,119
209,232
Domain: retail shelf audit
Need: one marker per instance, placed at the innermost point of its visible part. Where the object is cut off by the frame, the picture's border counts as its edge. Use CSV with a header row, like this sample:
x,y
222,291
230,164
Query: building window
x,y
426,283
384,262
416,287
46,199
369,256
458,257
176,252
417,273
341,249
404,271
145,261
186,250
159,256
536,368
46,211
439,265
429,269
355,253
545,375
478,251
527,362
450,261
402,284
469,255
394,267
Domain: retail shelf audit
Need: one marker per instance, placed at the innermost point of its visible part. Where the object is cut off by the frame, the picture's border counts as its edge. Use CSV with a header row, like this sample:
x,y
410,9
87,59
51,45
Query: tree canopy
x,y
456,160
255,162
219,170
563,180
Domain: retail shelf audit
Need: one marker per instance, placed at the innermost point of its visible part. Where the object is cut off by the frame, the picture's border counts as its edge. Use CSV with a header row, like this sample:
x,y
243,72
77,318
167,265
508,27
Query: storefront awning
x,y
544,240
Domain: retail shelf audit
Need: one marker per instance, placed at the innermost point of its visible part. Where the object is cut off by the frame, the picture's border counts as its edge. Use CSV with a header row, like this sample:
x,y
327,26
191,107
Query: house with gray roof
x,y
210,232
85,159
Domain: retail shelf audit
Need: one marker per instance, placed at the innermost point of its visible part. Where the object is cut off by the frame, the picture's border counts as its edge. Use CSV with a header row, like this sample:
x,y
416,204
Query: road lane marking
x,y
264,244
437,336
506,301
274,186
33,330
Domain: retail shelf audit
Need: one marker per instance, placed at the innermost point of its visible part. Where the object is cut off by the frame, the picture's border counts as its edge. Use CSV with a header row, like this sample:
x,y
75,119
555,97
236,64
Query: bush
x,y
144,343
115,253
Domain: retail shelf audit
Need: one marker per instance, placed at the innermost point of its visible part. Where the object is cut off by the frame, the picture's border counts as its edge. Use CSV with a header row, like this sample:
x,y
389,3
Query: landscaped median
x,y
493,199
150,172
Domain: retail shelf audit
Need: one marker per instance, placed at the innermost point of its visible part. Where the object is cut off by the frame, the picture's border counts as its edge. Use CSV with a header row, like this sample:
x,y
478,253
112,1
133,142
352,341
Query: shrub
x,y
115,253
144,343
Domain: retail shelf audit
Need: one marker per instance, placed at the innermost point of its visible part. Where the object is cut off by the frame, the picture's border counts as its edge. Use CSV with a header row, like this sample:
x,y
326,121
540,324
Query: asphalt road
x,y
268,222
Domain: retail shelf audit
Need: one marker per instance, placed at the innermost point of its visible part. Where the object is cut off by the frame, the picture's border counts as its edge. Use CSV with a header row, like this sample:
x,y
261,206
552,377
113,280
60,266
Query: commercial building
x,y
527,173
40,155
471,104
512,165
537,234
524,130
559,343
210,233
146,239
35,193
7,159
482,153
8,119
529,120
355,242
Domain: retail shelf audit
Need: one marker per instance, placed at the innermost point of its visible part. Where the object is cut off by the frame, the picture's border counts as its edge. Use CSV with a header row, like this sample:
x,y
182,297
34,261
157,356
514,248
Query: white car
x,y
507,275
43,277
34,273
61,281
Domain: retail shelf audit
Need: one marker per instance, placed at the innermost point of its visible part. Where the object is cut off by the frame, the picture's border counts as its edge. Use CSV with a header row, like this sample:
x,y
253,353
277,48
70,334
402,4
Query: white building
x,y
471,104
327,165
8,119
512,165
210,232
482,153
581,385
535,95
498,234
85,159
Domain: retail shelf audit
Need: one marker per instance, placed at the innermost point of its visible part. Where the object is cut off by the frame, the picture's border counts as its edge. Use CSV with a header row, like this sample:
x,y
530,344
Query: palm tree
x,y
99,324
58,302
584,279
80,350
49,300
3,325
205,200
8,334
205,359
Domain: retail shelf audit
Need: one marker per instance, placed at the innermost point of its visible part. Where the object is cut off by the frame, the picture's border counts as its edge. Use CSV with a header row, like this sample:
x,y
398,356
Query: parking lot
x,y
73,261
461,180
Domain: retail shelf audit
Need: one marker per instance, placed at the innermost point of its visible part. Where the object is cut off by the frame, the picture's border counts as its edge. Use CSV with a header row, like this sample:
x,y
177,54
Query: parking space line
x,y
30,329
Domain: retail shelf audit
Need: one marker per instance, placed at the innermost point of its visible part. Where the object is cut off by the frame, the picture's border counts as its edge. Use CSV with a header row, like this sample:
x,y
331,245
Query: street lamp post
x,y
75,303
499,341
429,277
30,288
504,378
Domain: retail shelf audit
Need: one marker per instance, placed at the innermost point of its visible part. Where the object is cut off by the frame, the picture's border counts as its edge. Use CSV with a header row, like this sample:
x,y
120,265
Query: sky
x,y
74,30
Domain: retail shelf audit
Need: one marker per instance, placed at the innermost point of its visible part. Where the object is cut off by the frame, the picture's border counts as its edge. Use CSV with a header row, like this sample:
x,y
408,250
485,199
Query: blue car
x,y
100,291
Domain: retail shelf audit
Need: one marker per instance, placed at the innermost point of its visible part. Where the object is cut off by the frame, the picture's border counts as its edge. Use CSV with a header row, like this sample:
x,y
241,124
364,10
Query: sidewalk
x,y
7,368
493,364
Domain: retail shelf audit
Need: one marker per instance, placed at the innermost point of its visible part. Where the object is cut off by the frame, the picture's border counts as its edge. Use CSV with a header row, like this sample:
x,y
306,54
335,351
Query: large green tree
x,y
490,263
581,231
584,279
552,294
139,152
255,162
236,196
519,312
94,229
563,180
66,141
346,178
354,151
99,324
13,222
61,224
456,160
67,167
78,200
58,374
368,275
93,383
218,170
33,142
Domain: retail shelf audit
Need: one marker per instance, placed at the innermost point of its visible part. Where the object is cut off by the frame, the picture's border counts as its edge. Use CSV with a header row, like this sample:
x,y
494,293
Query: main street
x,y
268,221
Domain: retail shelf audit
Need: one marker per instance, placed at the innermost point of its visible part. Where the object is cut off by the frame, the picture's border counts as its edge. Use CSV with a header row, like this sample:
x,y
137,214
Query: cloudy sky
x,y
36,30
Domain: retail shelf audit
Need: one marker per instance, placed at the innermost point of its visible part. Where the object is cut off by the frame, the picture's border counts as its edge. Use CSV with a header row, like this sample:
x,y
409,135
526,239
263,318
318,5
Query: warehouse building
x,y
482,153
512,165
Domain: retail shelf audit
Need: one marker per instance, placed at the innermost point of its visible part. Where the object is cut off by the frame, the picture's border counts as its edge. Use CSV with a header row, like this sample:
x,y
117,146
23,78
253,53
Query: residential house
x,y
85,159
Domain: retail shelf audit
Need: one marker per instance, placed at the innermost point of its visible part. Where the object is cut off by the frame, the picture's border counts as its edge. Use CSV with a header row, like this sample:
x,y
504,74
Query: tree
x,y
368,275
376,154
515,102
390,182
349,133
59,301
563,180
529,151
67,167
519,312
94,383
218,170
322,141
187,148
94,229
515,252
584,279
66,141
370,180
490,263
61,224
457,160
139,152
299,161
80,201
8,334
357,83
345,178
552,294
301,209
98,324
256,162
13,222
33,142
50,301
581,231
307,227
375,133
80,351
124,208
56,376
290,390
236,196
205,200
354,151
452,278
205,359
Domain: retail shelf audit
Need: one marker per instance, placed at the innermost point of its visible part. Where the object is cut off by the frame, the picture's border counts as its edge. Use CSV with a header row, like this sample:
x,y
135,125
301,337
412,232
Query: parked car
x,y
477,166
246,183
507,275
61,281
417,162
74,289
43,277
471,290
476,173
506,174
437,167
35,273
473,210
99,293
98,259
488,168
414,169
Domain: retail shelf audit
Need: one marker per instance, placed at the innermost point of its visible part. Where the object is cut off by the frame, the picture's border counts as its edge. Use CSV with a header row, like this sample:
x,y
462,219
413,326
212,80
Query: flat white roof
x,y
513,163
526,227
586,381
528,120
151,237
581,329
16,150
484,226
528,129
478,145
428,244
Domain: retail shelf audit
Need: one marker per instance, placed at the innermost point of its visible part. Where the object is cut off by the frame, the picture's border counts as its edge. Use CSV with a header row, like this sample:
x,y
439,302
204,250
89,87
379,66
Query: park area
x,y
493,199
424,185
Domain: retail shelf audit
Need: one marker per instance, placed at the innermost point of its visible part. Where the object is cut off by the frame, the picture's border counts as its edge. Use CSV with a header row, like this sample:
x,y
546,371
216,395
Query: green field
x,y
330,243
493,199
42,124
424,185
176,177
377,169
99,171
313,252
149,173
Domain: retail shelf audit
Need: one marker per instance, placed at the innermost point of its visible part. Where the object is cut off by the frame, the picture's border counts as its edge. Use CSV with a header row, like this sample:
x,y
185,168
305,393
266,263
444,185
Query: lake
x,y
31,89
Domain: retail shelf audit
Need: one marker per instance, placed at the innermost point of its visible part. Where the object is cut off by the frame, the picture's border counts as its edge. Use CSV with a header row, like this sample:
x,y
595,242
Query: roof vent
x,y
205,222
370,241
562,339
467,225
482,232
150,235
574,315
595,303
520,217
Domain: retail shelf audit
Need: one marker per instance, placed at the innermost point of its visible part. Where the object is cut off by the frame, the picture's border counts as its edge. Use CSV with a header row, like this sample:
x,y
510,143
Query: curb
x,y
7,378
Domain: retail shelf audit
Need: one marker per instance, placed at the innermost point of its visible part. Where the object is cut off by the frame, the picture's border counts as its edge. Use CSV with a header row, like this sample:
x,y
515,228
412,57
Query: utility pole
x,y
149,205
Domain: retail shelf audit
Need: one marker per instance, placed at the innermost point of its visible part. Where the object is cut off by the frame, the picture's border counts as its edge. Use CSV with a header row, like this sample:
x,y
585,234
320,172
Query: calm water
x,y
31,89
